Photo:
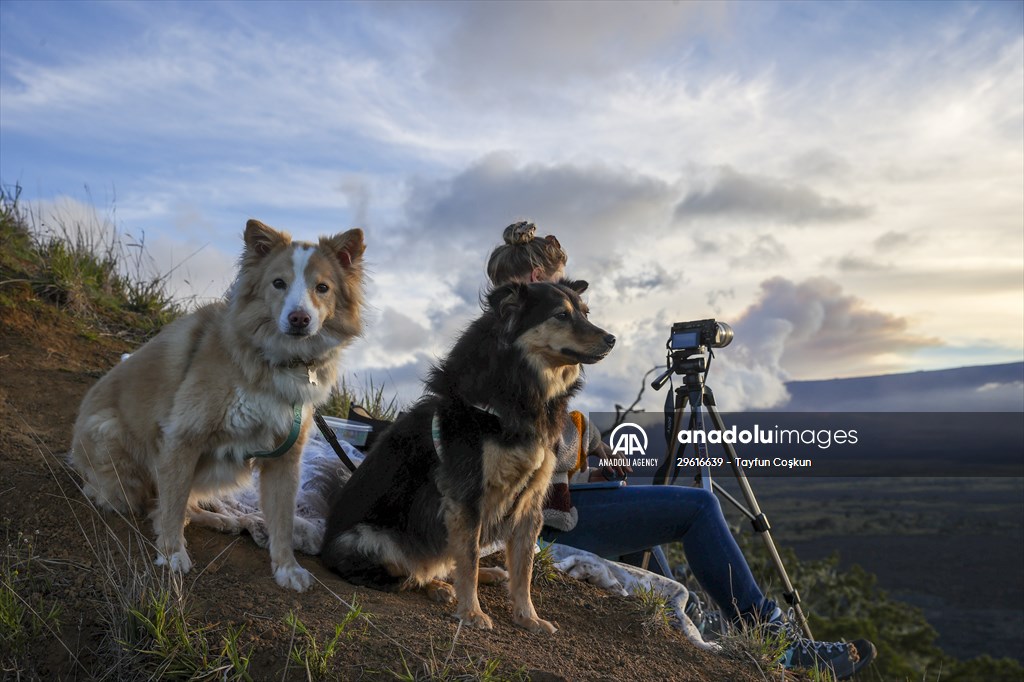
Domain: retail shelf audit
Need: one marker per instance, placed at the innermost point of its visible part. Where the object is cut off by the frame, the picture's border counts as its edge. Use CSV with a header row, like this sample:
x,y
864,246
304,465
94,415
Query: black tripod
x,y
698,395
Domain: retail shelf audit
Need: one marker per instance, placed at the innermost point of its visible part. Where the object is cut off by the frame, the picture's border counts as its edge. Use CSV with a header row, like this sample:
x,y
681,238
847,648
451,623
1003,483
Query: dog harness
x,y
435,428
293,436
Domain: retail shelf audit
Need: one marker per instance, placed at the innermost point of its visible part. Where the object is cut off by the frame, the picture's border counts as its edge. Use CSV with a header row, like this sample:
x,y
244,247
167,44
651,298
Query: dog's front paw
x,y
475,619
492,575
537,626
178,561
293,577
440,591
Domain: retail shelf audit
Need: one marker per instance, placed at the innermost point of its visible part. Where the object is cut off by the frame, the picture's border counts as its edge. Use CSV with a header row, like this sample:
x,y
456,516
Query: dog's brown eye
x,y
322,288
564,315
279,283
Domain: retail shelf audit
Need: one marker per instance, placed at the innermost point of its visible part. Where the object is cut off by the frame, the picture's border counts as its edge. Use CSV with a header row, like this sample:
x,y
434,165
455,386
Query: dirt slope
x,y
48,361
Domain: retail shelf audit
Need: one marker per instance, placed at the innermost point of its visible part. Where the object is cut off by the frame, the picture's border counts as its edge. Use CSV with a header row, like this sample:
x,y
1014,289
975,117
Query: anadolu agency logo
x,y
628,440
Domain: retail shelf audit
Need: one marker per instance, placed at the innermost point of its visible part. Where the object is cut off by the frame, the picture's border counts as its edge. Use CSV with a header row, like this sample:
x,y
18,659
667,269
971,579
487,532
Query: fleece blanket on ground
x,y
323,472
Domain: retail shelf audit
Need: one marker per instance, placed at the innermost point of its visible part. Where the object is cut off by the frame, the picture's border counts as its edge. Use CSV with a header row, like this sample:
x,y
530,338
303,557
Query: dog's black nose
x,y
610,340
298,319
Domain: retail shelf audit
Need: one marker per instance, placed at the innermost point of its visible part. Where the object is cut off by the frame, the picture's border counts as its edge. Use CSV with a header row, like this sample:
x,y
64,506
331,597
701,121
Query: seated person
x,y
622,520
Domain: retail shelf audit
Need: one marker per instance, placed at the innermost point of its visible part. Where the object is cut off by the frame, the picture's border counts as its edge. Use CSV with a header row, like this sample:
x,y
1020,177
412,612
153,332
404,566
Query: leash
x,y
293,436
332,440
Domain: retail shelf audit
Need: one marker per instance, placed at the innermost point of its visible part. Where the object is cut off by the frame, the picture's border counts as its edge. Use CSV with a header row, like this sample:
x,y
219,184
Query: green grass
x,y
452,668
544,571
27,619
757,645
657,614
149,629
104,278
369,396
166,644
316,656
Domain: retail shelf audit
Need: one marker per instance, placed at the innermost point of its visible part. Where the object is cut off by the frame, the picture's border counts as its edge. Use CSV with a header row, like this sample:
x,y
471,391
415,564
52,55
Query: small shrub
x,y
544,570
657,612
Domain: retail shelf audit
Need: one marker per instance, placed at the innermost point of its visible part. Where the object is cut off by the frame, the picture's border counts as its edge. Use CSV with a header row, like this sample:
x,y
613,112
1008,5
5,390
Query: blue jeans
x,y
618,521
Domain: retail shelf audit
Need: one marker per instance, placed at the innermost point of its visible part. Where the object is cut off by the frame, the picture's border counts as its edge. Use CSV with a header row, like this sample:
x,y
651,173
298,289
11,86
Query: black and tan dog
x,y
471,462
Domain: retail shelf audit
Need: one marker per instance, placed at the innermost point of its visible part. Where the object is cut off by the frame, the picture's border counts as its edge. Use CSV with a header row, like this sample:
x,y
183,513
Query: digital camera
x,y
699,334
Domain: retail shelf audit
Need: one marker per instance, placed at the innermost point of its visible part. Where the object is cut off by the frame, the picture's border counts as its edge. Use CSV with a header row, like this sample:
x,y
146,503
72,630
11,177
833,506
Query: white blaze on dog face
x,y
300,315
299,299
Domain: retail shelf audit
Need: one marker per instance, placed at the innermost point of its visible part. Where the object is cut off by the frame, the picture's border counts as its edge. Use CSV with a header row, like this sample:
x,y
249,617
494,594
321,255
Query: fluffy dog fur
x,y
412,513
177,419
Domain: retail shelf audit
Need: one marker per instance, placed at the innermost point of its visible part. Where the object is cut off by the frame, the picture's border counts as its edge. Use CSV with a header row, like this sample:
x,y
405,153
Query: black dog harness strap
x,y
435,428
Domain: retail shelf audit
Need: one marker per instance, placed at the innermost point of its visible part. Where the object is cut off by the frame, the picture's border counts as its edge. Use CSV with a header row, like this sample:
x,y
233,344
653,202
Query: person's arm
x,y
596,448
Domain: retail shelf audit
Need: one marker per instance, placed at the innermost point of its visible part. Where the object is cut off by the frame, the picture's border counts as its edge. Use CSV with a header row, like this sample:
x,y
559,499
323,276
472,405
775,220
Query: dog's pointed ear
x,y
507,299
261,239
348,247
507,303
577,285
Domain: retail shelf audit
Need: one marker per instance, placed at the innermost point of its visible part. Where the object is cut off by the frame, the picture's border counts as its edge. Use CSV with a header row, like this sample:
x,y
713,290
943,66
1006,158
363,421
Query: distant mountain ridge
x,y
984,388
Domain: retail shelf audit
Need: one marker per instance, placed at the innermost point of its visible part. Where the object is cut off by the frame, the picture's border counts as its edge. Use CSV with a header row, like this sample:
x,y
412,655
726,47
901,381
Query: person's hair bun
x,y
519,233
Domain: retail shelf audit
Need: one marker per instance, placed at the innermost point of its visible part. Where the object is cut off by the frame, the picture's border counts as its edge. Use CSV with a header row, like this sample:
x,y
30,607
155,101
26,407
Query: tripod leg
x,y
759,519
665,474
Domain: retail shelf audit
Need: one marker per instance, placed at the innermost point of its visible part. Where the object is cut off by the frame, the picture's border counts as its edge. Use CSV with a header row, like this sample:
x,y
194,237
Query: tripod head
x,y
683,363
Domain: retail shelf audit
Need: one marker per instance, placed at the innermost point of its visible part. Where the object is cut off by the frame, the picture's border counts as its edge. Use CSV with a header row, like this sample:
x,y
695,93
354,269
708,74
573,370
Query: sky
x,y
843,183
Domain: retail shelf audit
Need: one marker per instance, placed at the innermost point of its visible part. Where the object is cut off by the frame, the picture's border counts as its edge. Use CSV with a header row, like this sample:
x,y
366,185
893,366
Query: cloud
x,y
609,204
854,263
809,328
764,251
892,241
496,47
357,192
403,381
820,162
399,333
651,277
813,328
737,195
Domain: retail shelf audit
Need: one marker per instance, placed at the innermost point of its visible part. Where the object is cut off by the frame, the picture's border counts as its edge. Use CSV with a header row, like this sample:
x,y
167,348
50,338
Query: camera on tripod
x,y
686,343
693,336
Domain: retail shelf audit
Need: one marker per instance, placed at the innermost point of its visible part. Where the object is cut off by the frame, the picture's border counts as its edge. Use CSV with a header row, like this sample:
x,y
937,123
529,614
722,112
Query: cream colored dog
x,y
226,388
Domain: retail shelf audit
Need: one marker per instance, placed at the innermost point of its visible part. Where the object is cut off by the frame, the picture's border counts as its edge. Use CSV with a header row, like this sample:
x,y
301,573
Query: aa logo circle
x,y
629,440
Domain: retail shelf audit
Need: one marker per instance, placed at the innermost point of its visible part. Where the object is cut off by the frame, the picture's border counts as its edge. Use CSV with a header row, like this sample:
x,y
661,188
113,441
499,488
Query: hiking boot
x,y
843,659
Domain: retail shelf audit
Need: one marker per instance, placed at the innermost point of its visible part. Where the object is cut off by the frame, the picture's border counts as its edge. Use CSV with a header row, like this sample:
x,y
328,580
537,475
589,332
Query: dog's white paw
x,y
293,577
178,561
